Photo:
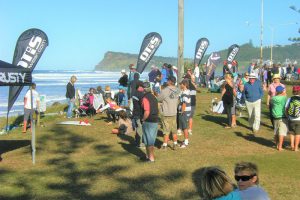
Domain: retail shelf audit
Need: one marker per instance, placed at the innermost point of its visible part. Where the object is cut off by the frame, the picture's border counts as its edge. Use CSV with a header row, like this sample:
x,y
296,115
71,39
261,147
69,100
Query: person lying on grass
x,y
125,124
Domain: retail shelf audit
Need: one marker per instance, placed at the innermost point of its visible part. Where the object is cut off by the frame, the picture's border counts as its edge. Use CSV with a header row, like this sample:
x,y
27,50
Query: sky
x,y
80,32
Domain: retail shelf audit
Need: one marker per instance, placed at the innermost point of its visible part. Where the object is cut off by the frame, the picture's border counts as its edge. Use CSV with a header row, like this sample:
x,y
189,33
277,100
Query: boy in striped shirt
x,y
184,111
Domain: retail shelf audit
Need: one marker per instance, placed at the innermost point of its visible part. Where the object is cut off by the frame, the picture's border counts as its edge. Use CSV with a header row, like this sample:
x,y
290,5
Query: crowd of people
x,y
249,90
140,107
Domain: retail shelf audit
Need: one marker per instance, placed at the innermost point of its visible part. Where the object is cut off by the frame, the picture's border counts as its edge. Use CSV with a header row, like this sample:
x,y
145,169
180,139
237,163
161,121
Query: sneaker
x,y
144,159
141,146
190,132
164,147
183,145
179,132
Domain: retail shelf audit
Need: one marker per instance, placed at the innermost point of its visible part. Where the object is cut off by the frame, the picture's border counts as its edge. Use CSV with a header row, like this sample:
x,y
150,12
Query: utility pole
x,y
261,32
180,59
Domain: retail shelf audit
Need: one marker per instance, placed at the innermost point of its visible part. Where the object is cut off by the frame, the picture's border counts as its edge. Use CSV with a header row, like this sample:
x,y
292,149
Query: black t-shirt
x,y
228,95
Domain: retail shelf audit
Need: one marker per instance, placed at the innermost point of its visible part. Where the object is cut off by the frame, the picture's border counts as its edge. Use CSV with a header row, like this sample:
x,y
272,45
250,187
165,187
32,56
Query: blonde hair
x,y
73,79
249,167
215,183
227,76
107,88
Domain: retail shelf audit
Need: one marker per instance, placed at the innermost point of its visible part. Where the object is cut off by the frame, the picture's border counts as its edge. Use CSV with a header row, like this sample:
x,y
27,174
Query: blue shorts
x,y
149,133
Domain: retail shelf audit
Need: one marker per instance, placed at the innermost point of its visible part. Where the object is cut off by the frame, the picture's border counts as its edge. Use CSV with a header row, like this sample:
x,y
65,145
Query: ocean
x,y
52,83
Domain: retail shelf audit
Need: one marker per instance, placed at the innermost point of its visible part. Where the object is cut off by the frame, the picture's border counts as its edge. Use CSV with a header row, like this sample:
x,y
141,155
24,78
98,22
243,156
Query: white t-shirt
x,y
197,72
36,98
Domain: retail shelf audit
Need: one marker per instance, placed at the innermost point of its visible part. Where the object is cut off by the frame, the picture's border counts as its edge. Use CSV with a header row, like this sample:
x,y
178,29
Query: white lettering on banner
x,y
201,49
33,47
233,54
12,77
149,50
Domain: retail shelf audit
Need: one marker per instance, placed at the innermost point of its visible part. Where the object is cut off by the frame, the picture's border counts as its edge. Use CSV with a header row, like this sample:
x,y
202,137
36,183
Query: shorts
x,y
294,127
193,108
183,121
280,127
28,114
149,133
169,124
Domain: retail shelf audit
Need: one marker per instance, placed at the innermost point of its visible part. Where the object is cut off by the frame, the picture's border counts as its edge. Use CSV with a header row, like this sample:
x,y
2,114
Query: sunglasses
x,y
243,178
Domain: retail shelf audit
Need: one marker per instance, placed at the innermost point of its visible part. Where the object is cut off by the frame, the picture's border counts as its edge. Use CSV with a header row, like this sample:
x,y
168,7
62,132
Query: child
x,y
292,109
278,112
125,124
184,111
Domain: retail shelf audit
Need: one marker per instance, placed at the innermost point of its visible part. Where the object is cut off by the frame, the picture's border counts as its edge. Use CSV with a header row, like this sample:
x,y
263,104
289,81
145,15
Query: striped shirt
x,y
185,98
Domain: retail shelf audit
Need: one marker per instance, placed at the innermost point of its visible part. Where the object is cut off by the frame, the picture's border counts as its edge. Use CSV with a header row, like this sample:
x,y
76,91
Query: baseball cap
x,y
123,71
296,88
279,88
172,79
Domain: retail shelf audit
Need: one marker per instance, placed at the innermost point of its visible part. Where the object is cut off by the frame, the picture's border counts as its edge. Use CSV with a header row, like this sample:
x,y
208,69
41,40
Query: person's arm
x,y
261,91
183,107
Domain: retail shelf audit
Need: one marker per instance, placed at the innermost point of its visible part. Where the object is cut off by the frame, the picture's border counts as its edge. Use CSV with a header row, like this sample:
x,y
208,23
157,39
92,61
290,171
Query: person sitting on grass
x,y
216,185
125,124
246,175
279,119
111,108
292,109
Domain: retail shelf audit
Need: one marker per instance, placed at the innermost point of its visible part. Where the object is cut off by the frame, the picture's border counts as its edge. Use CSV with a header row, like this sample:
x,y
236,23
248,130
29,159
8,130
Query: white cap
x,y
123,71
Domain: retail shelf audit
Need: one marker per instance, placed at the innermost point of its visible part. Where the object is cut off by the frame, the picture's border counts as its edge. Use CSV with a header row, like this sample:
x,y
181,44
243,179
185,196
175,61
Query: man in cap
x,y
253,93
272,92
169,101
292,110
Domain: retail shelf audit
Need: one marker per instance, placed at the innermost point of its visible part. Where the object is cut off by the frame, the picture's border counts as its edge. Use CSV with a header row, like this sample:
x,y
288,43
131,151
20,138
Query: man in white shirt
x,y
28,110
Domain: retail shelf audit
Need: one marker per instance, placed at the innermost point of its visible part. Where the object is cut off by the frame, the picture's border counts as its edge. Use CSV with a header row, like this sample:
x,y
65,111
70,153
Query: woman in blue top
x,y
216,185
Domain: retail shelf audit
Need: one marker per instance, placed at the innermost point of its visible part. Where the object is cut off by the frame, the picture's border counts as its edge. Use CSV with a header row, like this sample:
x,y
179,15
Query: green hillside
x,y
115,61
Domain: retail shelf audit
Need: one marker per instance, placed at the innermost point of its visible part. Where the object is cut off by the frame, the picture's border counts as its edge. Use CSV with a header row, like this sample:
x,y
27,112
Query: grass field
x,y
78,162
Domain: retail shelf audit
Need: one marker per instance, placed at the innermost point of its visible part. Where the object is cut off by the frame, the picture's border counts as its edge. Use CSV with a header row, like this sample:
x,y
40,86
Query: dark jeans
x,y
227,108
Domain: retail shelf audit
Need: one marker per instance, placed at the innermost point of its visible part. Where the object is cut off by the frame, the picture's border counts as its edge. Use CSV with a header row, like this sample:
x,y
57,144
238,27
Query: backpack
x,y
293,108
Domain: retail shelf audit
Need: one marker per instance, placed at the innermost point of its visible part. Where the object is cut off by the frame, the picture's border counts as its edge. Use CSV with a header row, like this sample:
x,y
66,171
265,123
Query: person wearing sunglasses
x,y
246,175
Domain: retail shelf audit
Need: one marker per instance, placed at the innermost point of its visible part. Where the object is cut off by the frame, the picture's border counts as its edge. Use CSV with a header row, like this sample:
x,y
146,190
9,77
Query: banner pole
x,y
32,129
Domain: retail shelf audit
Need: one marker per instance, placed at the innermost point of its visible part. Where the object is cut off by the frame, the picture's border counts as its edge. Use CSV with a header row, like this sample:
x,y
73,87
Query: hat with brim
x,y
252,76
276,76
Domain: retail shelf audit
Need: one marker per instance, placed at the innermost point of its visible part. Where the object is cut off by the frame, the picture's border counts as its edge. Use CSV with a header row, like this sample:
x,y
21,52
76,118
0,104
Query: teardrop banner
x,y
149,46
201,47
29,49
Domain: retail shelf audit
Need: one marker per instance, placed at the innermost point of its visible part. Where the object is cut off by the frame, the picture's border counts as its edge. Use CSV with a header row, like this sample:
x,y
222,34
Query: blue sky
x,y
81,31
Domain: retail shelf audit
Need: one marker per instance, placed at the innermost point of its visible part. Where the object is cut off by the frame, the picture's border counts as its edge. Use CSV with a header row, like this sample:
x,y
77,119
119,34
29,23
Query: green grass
x,y
75,162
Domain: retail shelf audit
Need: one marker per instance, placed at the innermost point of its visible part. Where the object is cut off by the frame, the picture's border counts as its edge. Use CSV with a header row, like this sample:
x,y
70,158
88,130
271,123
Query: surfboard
x,y
76,123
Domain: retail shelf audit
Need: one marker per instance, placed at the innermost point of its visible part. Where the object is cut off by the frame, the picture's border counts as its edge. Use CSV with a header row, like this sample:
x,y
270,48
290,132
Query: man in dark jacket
x,y
123,81
70,95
